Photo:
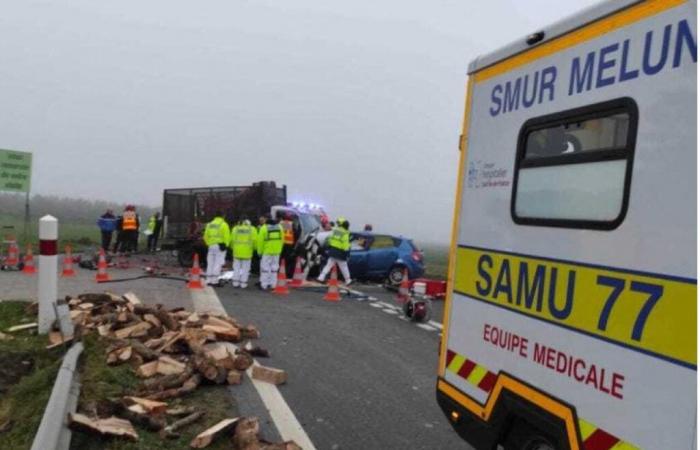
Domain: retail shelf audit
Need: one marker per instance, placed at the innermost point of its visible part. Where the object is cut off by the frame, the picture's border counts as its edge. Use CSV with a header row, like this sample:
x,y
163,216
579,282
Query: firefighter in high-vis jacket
x,y
338,250
216,238
290,234
243,241
269,247
130,229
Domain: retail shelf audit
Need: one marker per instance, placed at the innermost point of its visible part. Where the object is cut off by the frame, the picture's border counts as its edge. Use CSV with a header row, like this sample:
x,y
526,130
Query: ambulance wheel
x,y
523,436
395,276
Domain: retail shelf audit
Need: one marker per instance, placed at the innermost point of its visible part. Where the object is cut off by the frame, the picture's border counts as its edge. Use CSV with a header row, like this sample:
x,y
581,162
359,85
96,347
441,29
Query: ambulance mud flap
x,y
485,426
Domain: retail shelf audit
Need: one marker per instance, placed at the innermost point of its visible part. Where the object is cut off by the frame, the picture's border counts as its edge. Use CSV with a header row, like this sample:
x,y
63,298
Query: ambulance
x,y
571,313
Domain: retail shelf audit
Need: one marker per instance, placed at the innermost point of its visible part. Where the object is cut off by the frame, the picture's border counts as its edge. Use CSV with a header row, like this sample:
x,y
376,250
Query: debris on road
x,y
174,353
27,326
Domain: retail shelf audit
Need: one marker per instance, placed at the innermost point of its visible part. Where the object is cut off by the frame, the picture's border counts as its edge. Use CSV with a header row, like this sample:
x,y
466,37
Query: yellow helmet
x,y
340,220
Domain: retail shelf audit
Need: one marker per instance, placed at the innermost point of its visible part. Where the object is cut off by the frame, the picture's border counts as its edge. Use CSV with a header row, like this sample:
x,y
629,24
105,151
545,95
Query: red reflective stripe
x,y
48,248
487,382
466,368
450,356
600,440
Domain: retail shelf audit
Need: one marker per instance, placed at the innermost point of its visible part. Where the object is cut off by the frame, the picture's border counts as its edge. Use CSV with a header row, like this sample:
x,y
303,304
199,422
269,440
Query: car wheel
x,y
525,437
395,276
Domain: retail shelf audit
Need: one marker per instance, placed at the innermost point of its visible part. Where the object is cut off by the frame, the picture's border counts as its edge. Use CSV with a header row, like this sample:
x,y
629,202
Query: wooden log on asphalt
x,y
254,350
112,426
242,361
187,387
206,437
209,370
234,377
250,332
246,434
166,381
229,334
269,374
170,431
166,319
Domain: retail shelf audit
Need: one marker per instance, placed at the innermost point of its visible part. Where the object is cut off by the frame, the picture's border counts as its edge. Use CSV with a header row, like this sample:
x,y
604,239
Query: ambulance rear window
x,y
573,168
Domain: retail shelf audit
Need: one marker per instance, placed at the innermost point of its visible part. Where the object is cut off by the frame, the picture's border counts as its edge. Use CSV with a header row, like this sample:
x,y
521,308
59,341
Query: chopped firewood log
x,y
208,436
211,320
167,366
170,431
62,341
167,381
234,377
288,445
27,326
242,361
180,411
250,332
155,342
246,435
153,320
96,298
224,333
151,406
187,387
254,350
136,415
132,300
220,354
119,355
166,319
209,370
86,306
180,315
55,338
170,341
77,316
138,409
74,302
136,330
147,370
269,374
112,426
104,330
145,352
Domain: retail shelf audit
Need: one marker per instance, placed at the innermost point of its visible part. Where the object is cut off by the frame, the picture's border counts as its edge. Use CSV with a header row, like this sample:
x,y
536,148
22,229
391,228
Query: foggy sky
x,y
355,105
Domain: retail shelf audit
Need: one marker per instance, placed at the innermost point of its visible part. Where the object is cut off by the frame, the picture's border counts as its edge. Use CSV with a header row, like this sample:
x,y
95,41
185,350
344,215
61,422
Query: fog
x,y
355,105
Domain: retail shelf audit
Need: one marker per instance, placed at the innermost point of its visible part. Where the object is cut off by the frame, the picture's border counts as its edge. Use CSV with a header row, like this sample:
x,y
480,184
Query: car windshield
x,y
309,222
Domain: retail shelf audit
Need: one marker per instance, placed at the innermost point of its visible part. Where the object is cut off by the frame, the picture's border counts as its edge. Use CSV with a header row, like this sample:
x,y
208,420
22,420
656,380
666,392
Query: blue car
x,y
381,256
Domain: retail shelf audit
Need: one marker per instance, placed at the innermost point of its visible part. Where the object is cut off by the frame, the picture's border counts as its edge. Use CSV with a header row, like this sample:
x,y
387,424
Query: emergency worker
x,y
216,238
243,241
270,242
290,236
155,225
338,251
130,229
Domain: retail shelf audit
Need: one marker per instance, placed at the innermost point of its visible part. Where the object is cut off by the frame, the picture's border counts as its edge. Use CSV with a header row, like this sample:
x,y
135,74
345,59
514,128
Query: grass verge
x,y
27,375
435,259
100,381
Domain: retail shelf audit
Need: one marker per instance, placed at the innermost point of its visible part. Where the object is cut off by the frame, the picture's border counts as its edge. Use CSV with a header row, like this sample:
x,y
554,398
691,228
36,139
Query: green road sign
x,y
15,171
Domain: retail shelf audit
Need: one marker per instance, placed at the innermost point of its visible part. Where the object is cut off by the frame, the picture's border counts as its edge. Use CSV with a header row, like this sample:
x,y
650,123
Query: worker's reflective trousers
x,y
241,271
215,260
342,265
269,265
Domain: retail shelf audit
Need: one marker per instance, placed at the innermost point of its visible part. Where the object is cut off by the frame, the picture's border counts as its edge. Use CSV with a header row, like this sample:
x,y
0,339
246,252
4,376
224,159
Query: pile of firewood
x,y
174,352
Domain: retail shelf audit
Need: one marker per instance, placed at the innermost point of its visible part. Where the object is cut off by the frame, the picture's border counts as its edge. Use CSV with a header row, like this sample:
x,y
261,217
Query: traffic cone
x,y
403,295
29,268
195,275
12,255
333,294
68,264
281,287
102,274
298,278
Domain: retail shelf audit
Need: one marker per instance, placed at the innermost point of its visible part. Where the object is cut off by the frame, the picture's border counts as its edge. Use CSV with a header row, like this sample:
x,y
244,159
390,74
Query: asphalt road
x,y
359,377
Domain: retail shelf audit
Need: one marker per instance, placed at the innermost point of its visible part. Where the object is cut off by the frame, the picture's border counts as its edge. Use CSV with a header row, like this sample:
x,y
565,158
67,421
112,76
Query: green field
x,y
435,259
75,234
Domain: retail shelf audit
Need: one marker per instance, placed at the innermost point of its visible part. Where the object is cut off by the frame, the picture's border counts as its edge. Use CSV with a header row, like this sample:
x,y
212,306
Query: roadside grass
x,y
100,381
24,401
77,235
435,258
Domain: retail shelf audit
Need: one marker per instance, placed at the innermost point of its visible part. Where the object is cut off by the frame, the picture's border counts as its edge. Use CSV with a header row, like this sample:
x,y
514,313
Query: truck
x,y
186,211
571,310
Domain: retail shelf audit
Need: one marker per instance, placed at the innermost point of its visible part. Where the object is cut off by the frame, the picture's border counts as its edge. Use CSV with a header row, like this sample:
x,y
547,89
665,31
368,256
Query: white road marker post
x,y
48,271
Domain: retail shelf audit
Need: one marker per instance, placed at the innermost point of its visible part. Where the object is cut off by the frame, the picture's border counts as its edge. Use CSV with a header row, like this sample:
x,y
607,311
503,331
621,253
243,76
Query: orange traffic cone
x,y
333,294
281,287
195,275
403,295
102,274
298,278
68,264
12,255
29,268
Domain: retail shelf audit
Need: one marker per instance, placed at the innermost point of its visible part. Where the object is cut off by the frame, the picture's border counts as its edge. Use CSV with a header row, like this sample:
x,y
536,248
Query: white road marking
x,y
389,311
287,425
376,305
425,327
437,325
